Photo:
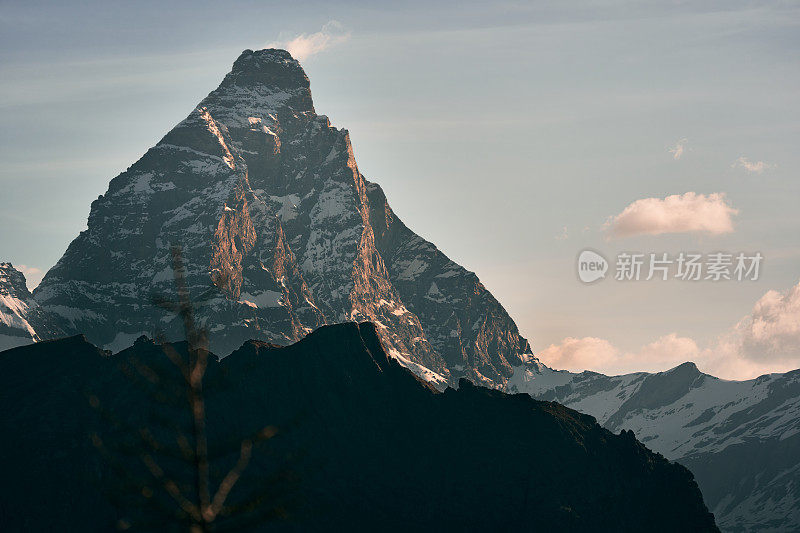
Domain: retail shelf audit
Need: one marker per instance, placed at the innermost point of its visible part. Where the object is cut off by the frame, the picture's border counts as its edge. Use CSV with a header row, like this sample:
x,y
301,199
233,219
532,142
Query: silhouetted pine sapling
x,y
163,458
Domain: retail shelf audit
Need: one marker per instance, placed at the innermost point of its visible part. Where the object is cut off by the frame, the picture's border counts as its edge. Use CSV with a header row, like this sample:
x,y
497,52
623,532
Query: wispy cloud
x,y
766,340
33,275
304,45
678,149
755,167
679,213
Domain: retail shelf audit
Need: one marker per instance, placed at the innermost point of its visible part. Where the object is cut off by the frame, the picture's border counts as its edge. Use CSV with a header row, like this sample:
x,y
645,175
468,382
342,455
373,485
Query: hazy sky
x,y
509,135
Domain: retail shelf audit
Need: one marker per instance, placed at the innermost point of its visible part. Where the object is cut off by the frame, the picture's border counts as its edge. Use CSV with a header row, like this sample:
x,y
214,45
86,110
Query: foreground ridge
x,y
359,442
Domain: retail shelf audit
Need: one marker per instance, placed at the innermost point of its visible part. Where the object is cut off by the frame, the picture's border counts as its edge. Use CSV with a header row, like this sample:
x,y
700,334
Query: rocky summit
x,y
280,233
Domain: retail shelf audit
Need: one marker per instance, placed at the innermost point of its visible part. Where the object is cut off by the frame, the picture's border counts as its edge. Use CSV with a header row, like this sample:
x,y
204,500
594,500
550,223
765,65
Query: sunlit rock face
x,y
280,233
22,320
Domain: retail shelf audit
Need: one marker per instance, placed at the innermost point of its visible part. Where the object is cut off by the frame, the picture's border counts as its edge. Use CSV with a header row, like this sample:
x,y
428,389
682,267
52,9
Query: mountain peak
x,y
263,88
255,58
12,282
271,66
22,321
269,61
277,223
688,368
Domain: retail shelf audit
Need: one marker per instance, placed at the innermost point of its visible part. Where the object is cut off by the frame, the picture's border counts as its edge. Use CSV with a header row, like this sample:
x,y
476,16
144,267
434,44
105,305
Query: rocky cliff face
x,y
265,198
359,444
740,438
22,321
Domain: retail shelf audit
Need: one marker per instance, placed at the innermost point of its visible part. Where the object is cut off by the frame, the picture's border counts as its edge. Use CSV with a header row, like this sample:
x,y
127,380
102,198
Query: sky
x,y
512,135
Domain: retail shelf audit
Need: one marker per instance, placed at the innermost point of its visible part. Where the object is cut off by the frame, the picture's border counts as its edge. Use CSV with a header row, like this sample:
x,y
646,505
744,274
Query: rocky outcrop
x,y
266,200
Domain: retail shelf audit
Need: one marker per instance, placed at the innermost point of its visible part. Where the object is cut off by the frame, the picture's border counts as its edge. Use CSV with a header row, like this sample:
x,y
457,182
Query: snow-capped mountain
x,y
741,439
280,234
265,198
22,321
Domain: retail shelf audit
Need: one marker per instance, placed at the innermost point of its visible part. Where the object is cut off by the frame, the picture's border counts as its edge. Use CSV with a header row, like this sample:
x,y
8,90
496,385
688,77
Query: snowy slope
x,y
740,438
22,321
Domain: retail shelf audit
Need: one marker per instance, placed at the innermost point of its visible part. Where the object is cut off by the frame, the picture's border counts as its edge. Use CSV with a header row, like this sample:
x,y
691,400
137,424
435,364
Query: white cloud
x,y
33,275
304,45
757,168
766,340
679,213
677,151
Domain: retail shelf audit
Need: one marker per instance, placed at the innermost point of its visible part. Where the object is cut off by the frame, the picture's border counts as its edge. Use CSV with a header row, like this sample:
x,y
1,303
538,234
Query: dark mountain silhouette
x,y
361,443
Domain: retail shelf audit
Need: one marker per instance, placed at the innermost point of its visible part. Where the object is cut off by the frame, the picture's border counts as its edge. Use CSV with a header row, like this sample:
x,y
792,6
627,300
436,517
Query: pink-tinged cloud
x,y
679,213
592,353
766,340
772,330
33,275
579,354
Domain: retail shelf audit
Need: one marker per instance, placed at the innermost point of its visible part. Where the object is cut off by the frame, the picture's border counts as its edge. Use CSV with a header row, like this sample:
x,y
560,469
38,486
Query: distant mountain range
x,y
281,234
359,443
740,438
